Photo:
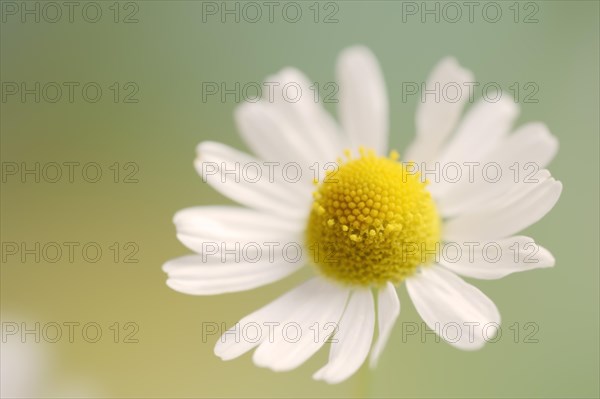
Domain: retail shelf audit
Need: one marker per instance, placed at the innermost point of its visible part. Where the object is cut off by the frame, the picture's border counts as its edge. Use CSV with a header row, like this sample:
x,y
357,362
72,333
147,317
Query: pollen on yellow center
x,y
372,221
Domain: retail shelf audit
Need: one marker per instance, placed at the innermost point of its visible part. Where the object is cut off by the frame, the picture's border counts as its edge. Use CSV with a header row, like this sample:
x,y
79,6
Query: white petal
x,y
363,102
532,142
437,117
352,339
206,227
289,123
222,167
495,259
482,129
305,328
234,342
388,310
530,147
460,313
521,211
516,192
201,275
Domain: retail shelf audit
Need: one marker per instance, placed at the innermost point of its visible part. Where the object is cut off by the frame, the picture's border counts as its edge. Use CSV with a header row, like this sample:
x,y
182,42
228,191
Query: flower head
x,y
366,212
371,221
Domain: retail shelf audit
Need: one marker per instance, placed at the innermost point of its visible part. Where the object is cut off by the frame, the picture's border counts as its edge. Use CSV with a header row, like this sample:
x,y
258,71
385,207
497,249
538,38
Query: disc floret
x,y
372,221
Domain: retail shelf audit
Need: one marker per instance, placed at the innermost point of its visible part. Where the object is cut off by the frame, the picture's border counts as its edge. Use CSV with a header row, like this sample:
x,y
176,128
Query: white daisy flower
x,y
368,224
27,367
21,369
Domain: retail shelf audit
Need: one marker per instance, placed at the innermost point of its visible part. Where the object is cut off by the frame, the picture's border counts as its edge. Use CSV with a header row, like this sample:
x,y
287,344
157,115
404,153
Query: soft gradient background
x,y
168,53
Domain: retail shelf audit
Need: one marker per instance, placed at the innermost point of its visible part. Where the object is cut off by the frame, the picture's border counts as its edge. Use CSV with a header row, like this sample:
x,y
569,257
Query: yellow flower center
x,y
372,221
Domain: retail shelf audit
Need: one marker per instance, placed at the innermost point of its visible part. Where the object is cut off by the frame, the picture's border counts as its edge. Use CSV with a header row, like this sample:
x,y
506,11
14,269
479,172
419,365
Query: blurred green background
x,y
166,55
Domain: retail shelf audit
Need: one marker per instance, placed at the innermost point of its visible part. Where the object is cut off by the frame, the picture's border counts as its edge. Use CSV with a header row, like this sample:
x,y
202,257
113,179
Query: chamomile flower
x,y
28,366
364,218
